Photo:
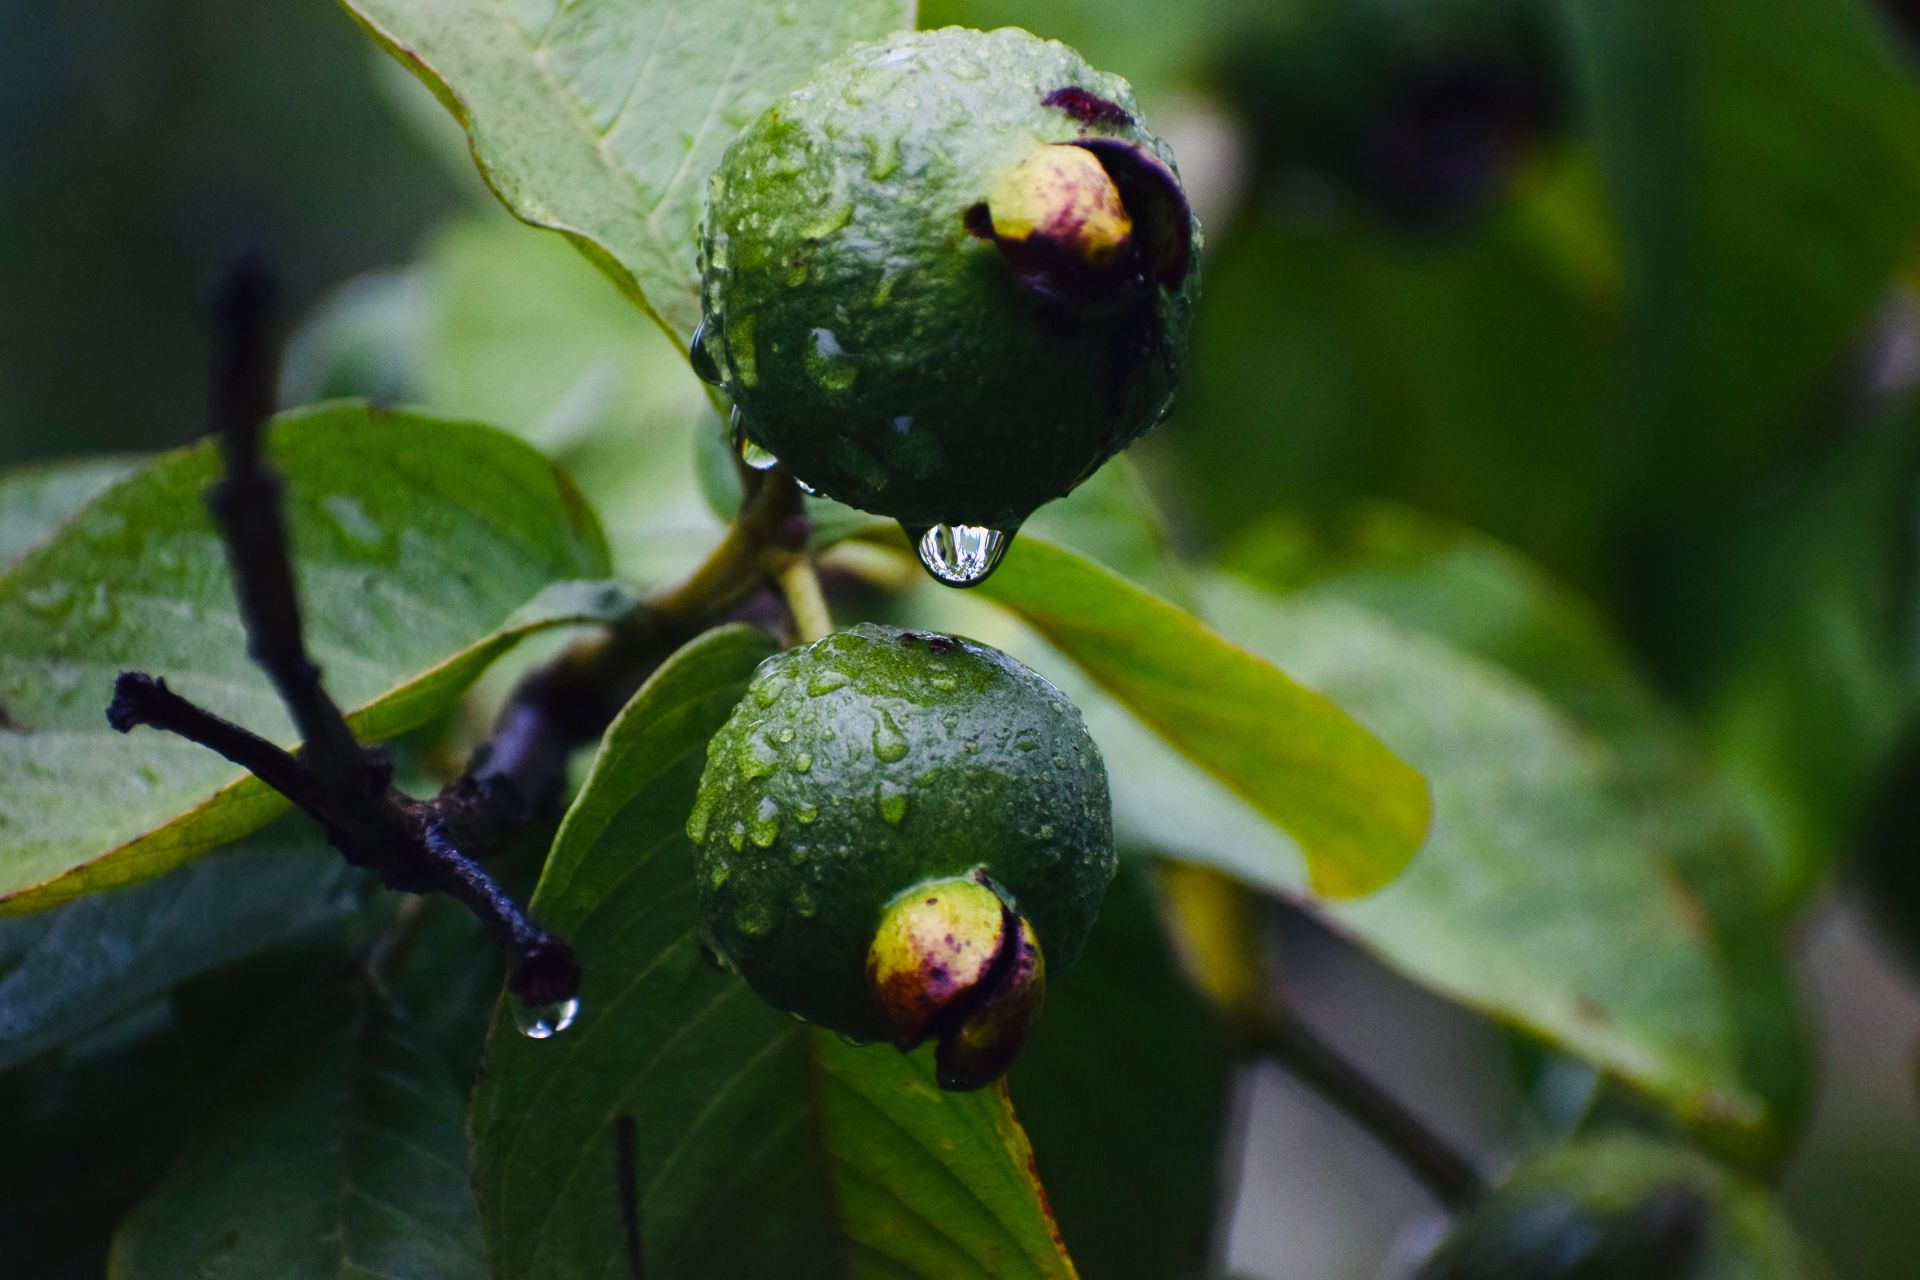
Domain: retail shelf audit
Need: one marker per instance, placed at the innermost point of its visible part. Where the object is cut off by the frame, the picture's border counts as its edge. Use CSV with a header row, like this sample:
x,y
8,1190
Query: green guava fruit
x,y
896,834
947,278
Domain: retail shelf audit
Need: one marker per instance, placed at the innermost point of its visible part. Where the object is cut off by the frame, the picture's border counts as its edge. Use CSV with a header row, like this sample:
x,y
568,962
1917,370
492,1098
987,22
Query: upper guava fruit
x,y
948,277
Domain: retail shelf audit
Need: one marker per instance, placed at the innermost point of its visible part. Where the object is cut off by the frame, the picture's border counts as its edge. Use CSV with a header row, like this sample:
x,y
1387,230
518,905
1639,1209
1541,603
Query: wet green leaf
x,y
34,499
1489,602
1537,898
1131,1070
66,971
424,549
758,1146
520,331
602,120
1357,810
333,1147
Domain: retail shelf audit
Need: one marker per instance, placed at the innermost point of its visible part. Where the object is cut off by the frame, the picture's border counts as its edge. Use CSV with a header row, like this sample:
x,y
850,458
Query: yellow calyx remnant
x,y
1062,195
951,960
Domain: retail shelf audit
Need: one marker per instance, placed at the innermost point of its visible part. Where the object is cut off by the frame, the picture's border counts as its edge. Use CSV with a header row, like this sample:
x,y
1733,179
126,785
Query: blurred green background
x,y
1628,286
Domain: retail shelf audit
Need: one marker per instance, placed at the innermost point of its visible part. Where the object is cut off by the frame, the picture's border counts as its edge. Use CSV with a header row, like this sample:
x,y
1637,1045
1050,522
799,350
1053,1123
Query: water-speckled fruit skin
x,y
870,762
891,358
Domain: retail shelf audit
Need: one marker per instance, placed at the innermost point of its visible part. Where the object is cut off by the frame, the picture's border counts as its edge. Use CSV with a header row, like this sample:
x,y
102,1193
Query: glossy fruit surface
x,y
877,762
949,277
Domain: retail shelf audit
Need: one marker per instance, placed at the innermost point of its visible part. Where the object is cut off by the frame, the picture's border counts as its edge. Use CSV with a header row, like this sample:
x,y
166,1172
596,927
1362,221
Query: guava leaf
x,y
1488,601
66,971
332,1147
1763,164
685,1123
603,119
34,499
424,549
1357,811
1163,1119
1538,898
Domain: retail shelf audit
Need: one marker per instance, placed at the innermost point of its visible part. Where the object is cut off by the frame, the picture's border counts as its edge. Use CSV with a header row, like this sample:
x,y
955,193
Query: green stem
x,y
800,584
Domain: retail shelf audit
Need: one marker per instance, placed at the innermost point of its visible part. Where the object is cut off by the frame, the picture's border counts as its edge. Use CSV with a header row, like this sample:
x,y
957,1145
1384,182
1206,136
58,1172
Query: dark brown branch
x,y
1280,1035
343,785
140,700
246,503
517,775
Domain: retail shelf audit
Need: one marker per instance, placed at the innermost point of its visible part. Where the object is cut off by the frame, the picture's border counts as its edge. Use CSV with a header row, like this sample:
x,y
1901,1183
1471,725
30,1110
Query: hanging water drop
x,y
700,352
806,488
960,555
753,455
544,1021
756,457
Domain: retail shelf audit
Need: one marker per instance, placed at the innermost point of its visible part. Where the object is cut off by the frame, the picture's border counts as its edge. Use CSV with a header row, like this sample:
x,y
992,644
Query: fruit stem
x,y
800,584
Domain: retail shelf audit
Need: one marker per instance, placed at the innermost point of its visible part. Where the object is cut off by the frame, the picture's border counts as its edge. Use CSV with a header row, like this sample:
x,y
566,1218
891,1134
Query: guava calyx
x,y
954,962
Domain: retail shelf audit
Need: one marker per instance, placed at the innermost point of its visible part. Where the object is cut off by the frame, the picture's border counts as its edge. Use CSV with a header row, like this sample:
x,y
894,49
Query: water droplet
x,y
51,601
100,611
960,555
1027,740
860,468
544,1021
353,519
838,215
737,838
700,352
757,457
718,875
806,488
697,822
803,762
889,744
803,904
825,682
886,156
759,760
827,362
765,827
755,919
915,454
806,816
893,802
